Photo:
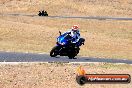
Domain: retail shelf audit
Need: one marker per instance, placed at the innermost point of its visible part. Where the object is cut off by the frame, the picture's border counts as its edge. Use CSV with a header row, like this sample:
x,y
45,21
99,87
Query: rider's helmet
x,y
75,28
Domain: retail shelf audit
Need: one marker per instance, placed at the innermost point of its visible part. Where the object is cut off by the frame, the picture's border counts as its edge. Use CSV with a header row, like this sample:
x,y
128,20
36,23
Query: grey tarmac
x,y
72,17
34,57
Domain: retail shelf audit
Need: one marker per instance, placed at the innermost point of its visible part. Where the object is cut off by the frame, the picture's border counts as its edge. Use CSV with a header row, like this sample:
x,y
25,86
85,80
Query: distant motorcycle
x,y
43,13
65,47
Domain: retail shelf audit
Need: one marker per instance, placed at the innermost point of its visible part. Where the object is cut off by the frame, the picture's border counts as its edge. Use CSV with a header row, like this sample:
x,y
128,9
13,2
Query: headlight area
x,y
62,43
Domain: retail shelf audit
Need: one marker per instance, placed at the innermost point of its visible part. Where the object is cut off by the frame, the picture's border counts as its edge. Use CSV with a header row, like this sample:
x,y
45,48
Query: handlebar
x,y
60,32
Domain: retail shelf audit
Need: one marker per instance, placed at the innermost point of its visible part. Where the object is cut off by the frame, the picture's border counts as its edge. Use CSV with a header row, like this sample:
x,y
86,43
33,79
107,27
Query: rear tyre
x,y
73,53
46,15
72,56
53,52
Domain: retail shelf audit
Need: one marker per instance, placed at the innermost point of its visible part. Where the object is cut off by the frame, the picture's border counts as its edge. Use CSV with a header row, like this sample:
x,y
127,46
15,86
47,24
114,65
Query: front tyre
x,y
53,52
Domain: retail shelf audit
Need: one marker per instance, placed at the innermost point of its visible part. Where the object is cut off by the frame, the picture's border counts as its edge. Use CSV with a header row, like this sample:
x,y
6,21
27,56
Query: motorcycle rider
x,y
69,40
75,35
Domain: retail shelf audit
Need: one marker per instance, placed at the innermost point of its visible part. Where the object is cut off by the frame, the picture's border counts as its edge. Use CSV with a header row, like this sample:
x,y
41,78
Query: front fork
x,y
59,48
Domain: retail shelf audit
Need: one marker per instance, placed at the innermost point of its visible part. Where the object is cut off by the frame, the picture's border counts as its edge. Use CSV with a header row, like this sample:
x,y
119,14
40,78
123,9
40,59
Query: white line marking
x,y
17,63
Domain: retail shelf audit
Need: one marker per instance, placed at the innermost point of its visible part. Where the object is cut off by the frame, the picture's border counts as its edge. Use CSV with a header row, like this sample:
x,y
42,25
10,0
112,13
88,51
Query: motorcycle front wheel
x,y
53,52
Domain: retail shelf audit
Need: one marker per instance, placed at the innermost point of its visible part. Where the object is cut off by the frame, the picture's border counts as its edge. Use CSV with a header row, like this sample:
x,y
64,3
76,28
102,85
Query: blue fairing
x,y
63,39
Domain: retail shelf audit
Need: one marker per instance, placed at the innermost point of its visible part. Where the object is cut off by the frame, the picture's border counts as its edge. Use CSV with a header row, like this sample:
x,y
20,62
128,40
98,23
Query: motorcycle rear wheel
x,y
71,55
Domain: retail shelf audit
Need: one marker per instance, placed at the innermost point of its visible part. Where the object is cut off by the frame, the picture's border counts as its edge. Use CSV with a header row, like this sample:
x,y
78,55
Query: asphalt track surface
x,y
72,17
33,57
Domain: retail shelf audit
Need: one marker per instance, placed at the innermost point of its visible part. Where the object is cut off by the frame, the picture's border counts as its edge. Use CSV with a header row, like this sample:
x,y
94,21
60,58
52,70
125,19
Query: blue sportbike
x,y
65,47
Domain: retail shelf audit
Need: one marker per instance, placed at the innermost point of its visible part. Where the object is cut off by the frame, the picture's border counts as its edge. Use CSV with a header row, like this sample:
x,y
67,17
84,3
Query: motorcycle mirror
x,y
60,32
